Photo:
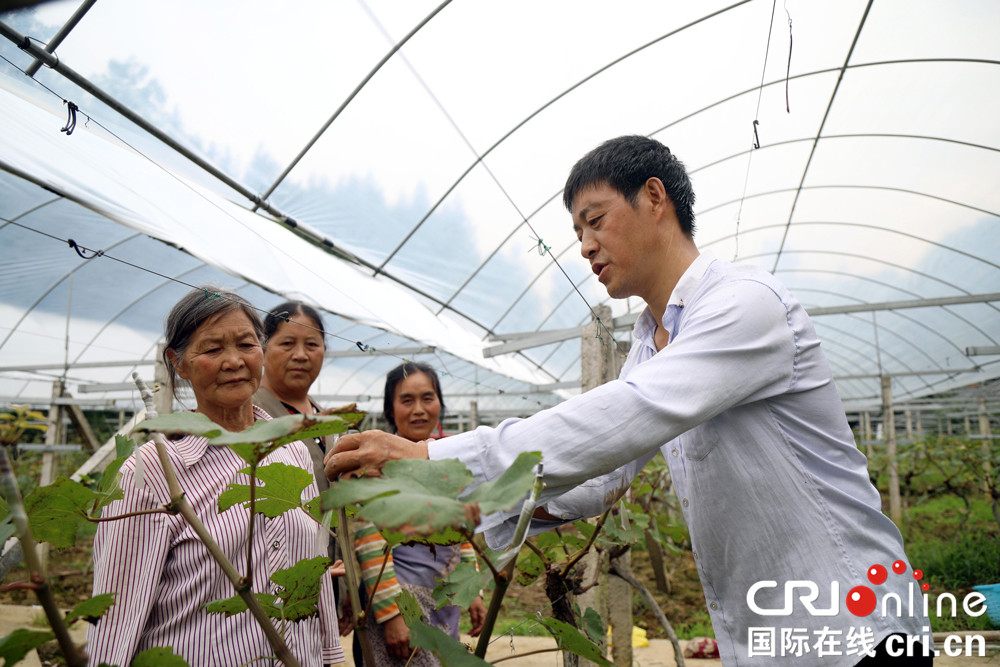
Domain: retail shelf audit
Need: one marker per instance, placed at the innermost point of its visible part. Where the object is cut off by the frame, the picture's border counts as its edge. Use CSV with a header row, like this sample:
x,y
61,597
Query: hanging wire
x,y
756,138
83,251
480,160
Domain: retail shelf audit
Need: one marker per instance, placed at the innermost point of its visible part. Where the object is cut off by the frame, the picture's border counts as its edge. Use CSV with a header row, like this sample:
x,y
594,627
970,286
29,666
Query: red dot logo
x,y
918,574
899,567
861,601
925,587
877,574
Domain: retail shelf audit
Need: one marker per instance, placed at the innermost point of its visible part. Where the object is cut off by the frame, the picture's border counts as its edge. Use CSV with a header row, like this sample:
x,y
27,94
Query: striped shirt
x,y
164,575
370,548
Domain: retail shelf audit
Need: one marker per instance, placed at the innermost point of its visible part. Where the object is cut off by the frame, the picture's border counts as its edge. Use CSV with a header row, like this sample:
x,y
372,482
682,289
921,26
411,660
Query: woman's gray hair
x,y
197,307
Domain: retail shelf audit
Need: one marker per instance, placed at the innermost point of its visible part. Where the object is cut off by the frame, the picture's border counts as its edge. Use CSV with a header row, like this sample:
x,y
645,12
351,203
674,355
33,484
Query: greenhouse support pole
x,y
53,435
163,398
984,430
600,363
889,426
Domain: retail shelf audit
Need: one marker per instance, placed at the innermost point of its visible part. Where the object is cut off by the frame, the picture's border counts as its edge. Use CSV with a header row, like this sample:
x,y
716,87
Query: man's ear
x,y
175,362
656,193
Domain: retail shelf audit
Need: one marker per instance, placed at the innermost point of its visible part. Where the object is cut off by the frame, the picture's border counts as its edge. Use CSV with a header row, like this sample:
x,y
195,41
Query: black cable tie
x,y
80,250
71,118
756,140
361,346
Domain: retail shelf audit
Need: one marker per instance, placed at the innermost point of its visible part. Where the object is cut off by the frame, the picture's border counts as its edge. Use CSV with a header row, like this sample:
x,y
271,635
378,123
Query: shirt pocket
x,y
700,441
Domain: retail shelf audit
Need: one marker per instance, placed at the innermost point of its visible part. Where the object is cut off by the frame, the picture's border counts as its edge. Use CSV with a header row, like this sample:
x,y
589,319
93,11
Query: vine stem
x,y
248,577
623,571
344,534
31,560
242,587
586,547
502,580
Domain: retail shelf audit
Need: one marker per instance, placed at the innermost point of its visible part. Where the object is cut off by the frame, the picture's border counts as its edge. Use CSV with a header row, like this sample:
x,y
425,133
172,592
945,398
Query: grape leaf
x,y
262,438
433,640
510,488
462,586
182,423
16,645
296,600
413,499
281,492
570,639
91,610
55,511
6,522
529,567
160,656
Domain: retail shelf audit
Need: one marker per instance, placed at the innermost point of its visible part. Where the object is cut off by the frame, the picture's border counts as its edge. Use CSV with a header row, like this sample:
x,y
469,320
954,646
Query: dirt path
x,y
521,652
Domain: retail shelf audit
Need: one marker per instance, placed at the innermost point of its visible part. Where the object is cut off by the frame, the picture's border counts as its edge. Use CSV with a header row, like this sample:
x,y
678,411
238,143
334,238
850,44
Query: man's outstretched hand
x,y
364,454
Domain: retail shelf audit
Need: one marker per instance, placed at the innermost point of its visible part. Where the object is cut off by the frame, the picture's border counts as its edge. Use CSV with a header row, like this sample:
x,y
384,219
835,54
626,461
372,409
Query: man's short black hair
x,y
626,163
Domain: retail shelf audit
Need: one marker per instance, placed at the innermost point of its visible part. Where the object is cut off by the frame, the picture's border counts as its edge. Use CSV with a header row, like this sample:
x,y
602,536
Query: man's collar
x,y
688,283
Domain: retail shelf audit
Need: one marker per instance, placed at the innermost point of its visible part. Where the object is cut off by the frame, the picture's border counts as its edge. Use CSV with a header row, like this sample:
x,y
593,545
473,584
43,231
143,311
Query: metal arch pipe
x,y
58,38
357,89
515,128
861,225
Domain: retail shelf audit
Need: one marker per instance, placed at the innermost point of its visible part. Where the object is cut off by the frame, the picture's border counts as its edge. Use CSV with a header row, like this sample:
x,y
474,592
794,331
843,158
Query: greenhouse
x,y
399,165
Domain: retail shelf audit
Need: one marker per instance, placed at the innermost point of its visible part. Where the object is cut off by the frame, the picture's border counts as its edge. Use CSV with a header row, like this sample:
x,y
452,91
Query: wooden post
x,y
866,422
163,398
889,426
53,436
984,430
473,415
601,362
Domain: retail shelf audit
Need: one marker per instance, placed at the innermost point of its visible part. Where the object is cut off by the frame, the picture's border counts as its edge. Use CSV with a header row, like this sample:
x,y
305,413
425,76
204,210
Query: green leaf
x,y
281,492
628,530
529,567
510,488
301,586
161,656
236,605
413,499
593,625
462,586
124,446
16,645
433,640
297,599
55,511
572,640
287,429
91,610
315,509
6,522
182,423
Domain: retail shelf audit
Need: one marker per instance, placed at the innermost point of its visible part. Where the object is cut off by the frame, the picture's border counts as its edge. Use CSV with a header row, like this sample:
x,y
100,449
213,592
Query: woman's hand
x,y
397,637
364,454
477,616
338,569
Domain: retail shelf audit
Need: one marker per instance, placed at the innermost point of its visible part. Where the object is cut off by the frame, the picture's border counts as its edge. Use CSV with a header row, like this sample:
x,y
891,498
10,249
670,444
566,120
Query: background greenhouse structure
x,y
399,164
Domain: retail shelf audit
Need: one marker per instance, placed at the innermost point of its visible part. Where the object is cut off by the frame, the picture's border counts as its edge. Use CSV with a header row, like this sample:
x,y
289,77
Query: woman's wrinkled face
x,y
294,357
416,407
223,362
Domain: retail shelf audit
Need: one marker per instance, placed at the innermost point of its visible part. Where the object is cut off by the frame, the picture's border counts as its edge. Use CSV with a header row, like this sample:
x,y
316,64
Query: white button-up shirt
x,y
772,486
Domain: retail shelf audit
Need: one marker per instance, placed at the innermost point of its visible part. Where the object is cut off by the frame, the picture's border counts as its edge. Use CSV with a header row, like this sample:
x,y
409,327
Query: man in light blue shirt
x,y
726,377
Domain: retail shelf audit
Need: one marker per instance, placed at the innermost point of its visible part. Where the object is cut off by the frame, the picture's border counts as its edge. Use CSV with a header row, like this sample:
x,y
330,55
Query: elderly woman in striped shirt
x,y
162,573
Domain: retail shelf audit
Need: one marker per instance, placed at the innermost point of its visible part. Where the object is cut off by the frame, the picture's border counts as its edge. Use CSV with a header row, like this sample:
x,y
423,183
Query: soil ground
x,y
71,579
